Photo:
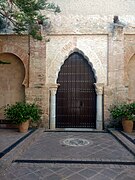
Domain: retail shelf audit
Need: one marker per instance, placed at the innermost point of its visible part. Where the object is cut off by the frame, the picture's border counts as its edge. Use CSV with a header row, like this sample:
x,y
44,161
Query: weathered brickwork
x,y
108,47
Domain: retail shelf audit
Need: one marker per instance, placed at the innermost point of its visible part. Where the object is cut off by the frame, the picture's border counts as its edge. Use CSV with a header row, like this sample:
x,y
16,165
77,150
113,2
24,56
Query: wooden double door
x,y
76,97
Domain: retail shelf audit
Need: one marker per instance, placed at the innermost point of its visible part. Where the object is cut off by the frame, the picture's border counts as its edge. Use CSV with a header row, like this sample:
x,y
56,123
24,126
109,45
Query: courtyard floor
x,y
66,155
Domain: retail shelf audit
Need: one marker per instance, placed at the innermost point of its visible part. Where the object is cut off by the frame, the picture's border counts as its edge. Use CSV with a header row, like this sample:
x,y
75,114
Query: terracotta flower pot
x,y
127,125
23,127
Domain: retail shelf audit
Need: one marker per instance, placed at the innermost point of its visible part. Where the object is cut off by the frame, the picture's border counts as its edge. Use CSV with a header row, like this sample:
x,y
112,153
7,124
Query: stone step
x,y
129,145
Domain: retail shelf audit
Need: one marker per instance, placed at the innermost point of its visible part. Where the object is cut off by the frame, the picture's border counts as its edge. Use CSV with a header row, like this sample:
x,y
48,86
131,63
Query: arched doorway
x,y
11,76
76,96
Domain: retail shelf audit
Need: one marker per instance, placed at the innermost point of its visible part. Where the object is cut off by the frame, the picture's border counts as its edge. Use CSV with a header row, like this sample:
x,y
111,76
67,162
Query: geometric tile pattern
x,y
49,146
104,147
11,137
65,172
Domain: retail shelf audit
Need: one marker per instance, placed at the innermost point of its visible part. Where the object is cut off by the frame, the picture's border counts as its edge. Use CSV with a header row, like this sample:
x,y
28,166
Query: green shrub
x,y
22,111
122,111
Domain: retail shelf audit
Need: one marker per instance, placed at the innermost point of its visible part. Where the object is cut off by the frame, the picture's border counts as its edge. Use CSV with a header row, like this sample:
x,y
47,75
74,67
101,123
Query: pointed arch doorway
x,y
76,96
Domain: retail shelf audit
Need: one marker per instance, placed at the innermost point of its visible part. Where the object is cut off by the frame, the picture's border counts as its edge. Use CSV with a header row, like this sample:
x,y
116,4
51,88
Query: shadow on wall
x,y
131,78
12,74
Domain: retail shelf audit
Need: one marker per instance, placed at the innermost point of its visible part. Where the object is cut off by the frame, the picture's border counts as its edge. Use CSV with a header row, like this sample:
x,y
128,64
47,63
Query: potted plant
x,y
21,113
125,113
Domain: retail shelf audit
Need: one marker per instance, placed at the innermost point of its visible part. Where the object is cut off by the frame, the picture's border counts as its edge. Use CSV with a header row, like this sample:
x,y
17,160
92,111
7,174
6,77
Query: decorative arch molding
x,y
128,56
21,54
85,57
131,78
59,59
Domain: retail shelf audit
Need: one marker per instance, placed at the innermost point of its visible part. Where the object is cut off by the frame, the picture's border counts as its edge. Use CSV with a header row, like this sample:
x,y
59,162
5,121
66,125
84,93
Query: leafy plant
x,y
122,111
22,111
25,15
113,123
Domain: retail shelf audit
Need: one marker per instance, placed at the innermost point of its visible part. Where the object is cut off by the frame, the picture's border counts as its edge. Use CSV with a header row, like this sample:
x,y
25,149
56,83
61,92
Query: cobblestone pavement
x,y
102,147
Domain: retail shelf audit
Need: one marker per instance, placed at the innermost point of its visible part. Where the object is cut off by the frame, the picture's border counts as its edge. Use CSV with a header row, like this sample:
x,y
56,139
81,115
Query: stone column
x,y
53,90
99,108
116,63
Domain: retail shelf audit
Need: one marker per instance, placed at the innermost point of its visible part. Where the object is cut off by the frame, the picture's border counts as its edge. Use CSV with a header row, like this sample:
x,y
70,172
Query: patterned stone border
x,y
74,162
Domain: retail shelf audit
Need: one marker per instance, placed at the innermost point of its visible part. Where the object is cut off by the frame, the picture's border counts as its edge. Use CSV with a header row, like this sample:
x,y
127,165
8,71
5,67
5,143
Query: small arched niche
x,y
12,75
131,78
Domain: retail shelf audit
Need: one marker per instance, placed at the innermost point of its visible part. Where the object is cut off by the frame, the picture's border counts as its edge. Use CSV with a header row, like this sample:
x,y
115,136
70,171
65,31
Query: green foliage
x,y
26,15
22,111
122,111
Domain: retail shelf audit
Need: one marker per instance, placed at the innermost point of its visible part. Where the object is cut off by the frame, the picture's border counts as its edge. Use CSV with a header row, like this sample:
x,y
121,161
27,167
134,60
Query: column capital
x,y
53,88
99,88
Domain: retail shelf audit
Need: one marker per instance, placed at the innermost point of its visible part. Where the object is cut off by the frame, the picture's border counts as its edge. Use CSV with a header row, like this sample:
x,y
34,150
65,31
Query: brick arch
x,y
21,54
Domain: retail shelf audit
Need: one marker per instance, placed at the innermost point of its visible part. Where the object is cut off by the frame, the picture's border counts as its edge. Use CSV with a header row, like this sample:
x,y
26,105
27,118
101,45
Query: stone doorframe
x,y
100,76
99,106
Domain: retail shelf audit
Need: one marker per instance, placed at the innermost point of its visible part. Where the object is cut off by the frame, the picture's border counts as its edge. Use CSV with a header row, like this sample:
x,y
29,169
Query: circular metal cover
x,y
76,142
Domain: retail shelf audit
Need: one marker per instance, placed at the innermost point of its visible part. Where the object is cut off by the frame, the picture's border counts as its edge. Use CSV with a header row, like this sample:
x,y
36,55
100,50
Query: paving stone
x,y
124,177
8,137
100,177
53,177
55,150
21,171
65,171
44,172
55,169
76,177
30,176
97,169
109,173
34,168
48,146
88,173
131,172
7,176
76,169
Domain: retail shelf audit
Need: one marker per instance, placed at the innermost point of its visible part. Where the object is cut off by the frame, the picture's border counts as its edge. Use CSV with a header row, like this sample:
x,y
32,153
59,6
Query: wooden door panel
x,y
76,97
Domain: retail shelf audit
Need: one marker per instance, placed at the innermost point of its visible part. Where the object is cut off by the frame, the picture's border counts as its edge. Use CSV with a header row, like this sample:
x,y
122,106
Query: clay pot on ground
x,y
24,126
127,125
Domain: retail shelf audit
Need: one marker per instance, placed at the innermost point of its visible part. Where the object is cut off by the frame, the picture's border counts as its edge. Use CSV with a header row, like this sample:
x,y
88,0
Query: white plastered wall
x,y
94,49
